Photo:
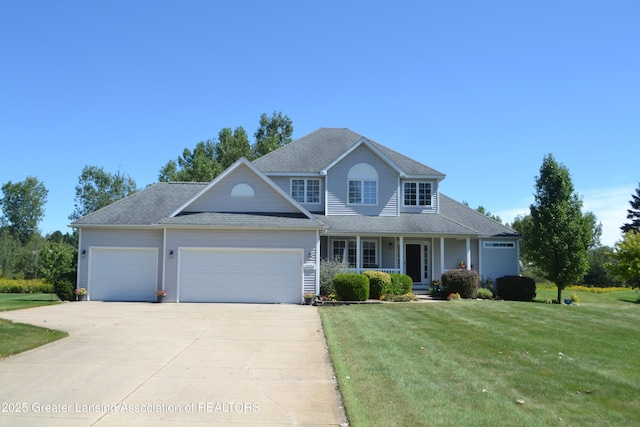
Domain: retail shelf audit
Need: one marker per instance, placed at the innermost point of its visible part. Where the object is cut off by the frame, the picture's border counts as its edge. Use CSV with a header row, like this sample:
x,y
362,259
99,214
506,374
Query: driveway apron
x,y
172,364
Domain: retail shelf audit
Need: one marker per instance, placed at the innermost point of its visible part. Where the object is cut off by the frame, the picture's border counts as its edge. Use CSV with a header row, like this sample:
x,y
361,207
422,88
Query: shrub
x,y
64,289
484,293
379,283
516,288
328,270
16,286
351,286
463,282
402,282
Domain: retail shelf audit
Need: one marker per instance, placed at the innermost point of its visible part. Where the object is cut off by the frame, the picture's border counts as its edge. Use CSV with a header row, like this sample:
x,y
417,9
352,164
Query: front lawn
x,y
18,337
20,301
488,363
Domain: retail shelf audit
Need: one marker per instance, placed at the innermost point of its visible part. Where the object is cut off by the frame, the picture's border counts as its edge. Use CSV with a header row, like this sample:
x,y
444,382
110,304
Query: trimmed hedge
x,y
351,287
17,286
516,288
402,282
463,282
379,283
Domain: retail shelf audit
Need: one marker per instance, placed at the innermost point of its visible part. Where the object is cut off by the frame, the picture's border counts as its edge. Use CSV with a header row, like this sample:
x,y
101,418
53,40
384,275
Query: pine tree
x,y
633,214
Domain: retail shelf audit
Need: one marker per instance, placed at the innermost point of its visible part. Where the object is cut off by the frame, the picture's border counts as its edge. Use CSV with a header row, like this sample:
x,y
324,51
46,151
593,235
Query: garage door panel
x,y
123,274
266,276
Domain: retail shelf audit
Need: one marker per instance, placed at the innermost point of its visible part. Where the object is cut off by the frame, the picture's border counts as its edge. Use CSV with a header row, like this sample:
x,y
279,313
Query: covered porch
x,y
422,257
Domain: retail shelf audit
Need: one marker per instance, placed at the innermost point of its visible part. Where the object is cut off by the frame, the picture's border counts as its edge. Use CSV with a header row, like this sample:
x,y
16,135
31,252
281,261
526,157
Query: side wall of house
x,y
305,240
115,237
499,258
338,186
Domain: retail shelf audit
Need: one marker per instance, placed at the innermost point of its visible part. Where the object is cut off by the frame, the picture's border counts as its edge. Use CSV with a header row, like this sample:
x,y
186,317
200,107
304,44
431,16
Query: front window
x,y
363,192
305,190
369,259
345,251
417,194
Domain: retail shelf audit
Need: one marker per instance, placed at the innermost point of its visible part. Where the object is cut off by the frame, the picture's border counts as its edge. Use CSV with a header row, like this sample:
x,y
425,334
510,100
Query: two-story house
x,y
257,232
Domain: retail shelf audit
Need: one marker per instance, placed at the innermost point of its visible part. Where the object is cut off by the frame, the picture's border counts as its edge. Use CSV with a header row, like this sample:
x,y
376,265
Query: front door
x,y
414,262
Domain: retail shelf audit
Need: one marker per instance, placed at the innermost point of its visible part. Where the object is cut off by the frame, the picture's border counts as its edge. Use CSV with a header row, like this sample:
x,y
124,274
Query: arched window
x,y
242,190
363,185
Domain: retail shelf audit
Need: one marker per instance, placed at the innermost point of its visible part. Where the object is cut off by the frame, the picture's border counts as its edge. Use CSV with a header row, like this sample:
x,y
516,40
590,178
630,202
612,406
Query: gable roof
x,y
318,150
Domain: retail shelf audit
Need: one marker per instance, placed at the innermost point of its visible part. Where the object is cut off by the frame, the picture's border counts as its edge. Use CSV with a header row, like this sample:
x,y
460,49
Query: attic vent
x,y
363,171
242,190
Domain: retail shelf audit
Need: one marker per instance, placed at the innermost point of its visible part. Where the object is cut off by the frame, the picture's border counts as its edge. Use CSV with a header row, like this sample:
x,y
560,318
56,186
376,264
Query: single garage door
x,y
123,274
240,275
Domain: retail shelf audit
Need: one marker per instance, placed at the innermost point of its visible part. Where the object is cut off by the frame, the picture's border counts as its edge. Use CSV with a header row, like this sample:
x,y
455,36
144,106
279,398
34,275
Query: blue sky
x,y
480,91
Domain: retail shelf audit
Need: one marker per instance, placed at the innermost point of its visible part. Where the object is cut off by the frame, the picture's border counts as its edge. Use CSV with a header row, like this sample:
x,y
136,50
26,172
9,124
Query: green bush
x,y
516,288
463,282
64,289
402,282
484,293
22,286
379,283
351,287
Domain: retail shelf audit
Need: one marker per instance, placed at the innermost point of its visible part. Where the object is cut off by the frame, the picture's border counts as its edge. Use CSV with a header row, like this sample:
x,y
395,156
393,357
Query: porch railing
x,y
385,270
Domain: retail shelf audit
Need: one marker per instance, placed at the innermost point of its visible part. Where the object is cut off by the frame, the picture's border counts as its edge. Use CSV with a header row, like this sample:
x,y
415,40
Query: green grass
x,y
18,337
469,362
20,301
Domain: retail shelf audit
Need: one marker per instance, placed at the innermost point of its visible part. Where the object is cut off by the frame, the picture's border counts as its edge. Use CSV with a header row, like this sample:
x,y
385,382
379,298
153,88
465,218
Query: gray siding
x,y
337,186
123,237
284,182
237,239
219,199
498,262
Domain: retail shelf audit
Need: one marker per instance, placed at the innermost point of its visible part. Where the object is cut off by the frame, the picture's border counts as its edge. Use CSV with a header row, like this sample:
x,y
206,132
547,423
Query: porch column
x,y
441,255
468,254
402,267
358,260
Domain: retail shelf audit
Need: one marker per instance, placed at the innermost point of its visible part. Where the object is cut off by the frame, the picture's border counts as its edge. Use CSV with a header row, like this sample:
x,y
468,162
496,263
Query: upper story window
x,y
305,190
417,194
363,185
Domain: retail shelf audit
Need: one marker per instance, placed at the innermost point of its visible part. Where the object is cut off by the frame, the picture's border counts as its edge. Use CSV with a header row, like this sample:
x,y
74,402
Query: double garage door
x,y
240,275
204,275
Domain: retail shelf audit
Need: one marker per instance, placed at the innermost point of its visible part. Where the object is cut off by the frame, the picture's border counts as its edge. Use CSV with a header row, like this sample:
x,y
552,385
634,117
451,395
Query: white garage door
x,y
123,274
240,275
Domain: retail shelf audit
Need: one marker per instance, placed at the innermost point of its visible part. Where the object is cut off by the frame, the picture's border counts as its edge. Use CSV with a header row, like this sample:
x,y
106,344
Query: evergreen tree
x,y
633,214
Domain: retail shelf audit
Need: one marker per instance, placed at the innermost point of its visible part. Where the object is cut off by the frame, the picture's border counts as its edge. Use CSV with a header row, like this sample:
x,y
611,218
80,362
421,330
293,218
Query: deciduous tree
x,y
559,236
273,133
23,207
97,188
626,256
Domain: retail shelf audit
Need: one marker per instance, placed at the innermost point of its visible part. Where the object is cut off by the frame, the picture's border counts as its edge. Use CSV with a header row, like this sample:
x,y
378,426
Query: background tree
x,y
483,211
56,267
23,207
209,158
97,188
599,274
232,145
274,132
633,214
559,236
199,165
626,265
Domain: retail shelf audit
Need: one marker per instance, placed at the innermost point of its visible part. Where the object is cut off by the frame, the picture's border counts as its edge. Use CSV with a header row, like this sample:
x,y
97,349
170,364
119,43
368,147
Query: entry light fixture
x,y
84,253
171,253
390,245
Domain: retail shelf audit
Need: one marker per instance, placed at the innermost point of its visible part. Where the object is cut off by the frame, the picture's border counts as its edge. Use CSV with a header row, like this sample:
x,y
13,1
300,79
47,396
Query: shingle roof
x,y
146,207
454,219
242,220
314,152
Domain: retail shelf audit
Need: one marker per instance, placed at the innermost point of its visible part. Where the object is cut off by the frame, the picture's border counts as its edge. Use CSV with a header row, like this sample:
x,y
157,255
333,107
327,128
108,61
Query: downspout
x,y
468,253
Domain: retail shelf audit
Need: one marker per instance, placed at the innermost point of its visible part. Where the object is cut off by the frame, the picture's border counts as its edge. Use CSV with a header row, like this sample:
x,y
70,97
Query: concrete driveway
x,y
172,364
